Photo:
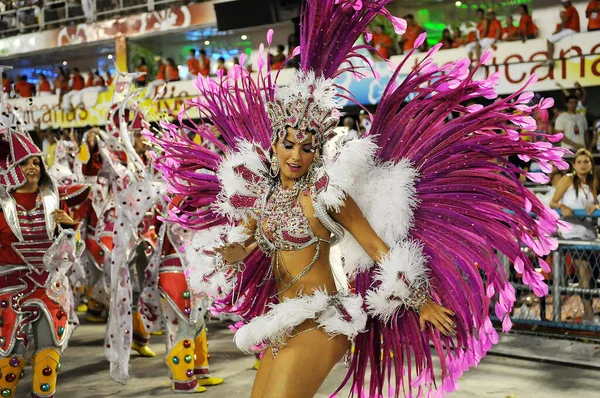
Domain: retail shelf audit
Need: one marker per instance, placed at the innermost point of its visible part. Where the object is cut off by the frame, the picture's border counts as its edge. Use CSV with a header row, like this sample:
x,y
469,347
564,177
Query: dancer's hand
x,y
438,316
61,217
234,252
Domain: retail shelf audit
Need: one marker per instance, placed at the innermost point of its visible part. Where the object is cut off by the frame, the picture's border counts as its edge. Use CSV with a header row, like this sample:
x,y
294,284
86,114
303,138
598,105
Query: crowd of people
x,y
28,15
66,81
489,31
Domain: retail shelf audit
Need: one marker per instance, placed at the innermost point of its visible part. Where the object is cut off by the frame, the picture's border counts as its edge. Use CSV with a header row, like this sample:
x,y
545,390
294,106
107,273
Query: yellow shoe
x,y
256,364
143,350
158,333
82,308
45,364
210,381
11,369
180,361
95,319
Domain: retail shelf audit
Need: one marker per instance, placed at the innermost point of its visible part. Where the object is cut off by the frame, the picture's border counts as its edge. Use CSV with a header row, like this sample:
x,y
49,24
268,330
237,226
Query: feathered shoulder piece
x,y
244,176
341,171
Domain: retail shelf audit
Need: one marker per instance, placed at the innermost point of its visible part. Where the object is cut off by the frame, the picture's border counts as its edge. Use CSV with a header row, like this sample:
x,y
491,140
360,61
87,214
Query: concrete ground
x,y
85,371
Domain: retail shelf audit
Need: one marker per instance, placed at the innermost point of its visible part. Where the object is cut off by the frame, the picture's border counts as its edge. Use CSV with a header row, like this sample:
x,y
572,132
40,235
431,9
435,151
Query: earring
x,y
274,166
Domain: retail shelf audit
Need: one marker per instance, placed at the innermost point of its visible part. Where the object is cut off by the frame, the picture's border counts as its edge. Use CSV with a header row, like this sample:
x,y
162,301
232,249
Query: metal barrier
x,y
573,300
33,15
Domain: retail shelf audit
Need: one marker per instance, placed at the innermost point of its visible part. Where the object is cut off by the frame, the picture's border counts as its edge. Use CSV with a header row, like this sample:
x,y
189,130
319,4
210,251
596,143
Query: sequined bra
x,y
282,224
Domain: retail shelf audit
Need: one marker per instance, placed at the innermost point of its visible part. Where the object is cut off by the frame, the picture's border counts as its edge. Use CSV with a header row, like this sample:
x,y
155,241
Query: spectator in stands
x,y
569,25
446,39
142,68
457,39
578,191
278,59
5,83
50,148
58,82
221,66
481,31
364,121
527,29
94,79
98,79
172,71
573,125
581,95
204,63
77,83
23,88
510,32
44,87
109,78
494,34
351,125
193,64
161,77
413,30
592,13
382,42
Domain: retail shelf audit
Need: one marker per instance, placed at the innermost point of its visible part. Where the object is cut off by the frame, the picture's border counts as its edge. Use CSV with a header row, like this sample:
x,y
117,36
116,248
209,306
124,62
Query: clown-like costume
x,y
38,246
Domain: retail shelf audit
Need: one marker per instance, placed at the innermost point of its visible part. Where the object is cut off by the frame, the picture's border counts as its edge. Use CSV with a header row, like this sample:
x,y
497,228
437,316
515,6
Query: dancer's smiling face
x,y
32,169
294,157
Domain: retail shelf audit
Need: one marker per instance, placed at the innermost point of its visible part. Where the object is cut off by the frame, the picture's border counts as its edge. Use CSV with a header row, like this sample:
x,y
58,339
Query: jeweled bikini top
x,y
282,224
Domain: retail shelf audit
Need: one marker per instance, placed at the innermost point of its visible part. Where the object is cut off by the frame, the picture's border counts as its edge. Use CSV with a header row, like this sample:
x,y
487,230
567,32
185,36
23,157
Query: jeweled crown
x,y
309,105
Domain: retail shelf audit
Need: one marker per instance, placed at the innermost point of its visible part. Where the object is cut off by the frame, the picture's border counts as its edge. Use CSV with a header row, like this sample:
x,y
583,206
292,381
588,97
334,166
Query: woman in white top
x,y
577,191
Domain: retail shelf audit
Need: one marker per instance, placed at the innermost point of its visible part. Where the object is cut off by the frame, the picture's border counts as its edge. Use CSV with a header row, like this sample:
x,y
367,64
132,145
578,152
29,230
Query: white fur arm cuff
x,y
402,281
208,272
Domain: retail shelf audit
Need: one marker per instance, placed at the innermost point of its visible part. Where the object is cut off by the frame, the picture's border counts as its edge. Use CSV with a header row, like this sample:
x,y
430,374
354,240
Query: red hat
x,y
15,148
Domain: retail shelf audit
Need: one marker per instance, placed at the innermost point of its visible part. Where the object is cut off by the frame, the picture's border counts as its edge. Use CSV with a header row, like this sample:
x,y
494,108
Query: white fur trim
x,y
283,317
202,265
386,195
309,85
345,169
231,183
332,322
407,258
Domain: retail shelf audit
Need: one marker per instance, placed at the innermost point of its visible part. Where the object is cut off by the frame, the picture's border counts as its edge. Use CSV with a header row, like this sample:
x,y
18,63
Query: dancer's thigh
x,y
262,375
303,364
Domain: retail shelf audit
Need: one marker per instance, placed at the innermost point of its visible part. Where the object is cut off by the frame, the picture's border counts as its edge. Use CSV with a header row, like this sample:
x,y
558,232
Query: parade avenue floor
x,y
85,373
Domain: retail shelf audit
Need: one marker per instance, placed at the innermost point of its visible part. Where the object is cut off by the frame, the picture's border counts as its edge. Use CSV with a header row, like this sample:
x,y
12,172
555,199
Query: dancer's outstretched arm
x,y
351,218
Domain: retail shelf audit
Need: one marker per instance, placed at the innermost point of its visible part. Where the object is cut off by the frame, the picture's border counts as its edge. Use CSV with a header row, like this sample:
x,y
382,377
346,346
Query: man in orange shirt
x,y
382,42
23,88
592,12
193,64
527,29
493,35
413,30
457,39
77,81
510,32
204,63
89,82
569,25
43,87
481,32
161,78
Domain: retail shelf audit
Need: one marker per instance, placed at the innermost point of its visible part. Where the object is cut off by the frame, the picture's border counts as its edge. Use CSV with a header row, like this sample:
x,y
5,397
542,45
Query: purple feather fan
x,y
330,28
471,207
